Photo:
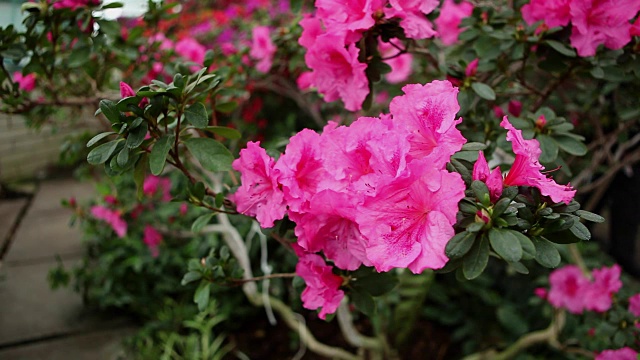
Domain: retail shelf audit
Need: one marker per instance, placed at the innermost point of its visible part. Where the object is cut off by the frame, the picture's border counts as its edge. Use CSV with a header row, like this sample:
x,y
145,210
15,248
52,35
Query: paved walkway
x,y
35,321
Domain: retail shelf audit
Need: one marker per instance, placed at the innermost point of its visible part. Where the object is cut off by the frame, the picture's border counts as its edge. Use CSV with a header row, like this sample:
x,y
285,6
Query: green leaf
x,y
201,222
227,107
295,5
549,148
99,137
123,157
376,284
571,145
481,191
211,154
363,301
546,253
580,231
196,115
102,153
201,297
483,90
460,244
561,48
477,259
110,111
113,5
136,136
505,244
158,155
139,174
528,249
223,131
191,276
79,57
500,207
589,216
519,268
473,146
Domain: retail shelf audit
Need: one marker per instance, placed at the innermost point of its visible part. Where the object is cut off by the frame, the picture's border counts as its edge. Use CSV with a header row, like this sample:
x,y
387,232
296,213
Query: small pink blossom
x,y
498,112
183,209
448,23
323,286
191,50
25,82
625,353
472,68
110,199
493,179
262,48
542,293
412,17
568,285
526,169
634,305
400,65
606,282
126,90
152,238
350,18
111,217
304,80
553,12
152,184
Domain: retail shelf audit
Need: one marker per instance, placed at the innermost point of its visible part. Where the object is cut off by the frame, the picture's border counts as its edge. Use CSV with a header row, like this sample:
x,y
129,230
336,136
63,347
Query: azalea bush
x,y
375,150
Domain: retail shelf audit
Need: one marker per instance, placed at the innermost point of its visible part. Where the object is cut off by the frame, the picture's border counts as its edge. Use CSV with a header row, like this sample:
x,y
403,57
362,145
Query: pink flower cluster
x,y
152,238
375,192
571,290
525,171
155,184
626,353
594,22
111,217
262,48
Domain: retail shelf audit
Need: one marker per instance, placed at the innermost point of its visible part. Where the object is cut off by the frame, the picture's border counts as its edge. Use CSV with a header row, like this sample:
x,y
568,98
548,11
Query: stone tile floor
x,y
35,321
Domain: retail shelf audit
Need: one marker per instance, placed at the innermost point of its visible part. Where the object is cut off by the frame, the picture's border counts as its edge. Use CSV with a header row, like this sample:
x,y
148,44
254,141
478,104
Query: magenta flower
x,y
568,285
323,286
515,108
126,90
634,305
311,29
409,223
428,113
493,179
259,194
448,23
553,12
400,65
262,48
25,82
472,68
191,50
606,282
152,184
111,217
74,4
598,22
635,28
350,17
626,353
152,238
412,16
337,73
526,169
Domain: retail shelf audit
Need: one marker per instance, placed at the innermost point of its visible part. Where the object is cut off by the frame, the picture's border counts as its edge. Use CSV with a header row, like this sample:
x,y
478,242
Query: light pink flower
x,y
428,113
412,16
400,65
448,23
259,194
152,184
568,286
493,179
111,217
191,50
598,22
126,90
526,169
553,12
323,286
262,48
152,238
626,353
606,282
337,73
634,305
409,223
25,83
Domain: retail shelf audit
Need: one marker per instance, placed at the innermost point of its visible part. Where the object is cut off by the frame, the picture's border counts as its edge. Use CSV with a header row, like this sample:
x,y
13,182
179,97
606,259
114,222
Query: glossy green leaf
x,y
505,244
191,276
102,153
561,48
211,154
99,137
589,216
110,111
460,244
201,222
571,145
159,153
201,297
484,91
225,132
546,253
196,115
136,136
477,259
549,148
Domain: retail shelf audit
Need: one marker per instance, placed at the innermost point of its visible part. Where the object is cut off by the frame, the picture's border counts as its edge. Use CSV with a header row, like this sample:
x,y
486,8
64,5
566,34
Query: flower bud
x,y
515,107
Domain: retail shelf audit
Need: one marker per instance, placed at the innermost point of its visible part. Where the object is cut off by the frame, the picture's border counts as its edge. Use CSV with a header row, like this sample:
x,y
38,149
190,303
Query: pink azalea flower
x,y
152,184
400,65
126,90
634,305
74,4
409,223
300,169
191,50
448,23
304,80
25,83
350,17
259,194
542,293
428,113
152,238
472,68
553,12
337,73
526,169
311,29
626,353
635,28
412,16
493,179
323,286
568,286
111,217
606,282
262,48
598,22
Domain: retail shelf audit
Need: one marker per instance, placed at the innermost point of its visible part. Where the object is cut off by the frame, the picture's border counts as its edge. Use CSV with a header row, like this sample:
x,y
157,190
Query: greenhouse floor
x,y
35,321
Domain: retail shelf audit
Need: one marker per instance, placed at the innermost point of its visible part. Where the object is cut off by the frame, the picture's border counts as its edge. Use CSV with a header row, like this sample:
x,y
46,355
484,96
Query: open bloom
x,y
626,353
568,286
191,50
25,82
262,48
348,17
323,286
259,194
448,23
526,169
412,16
634,305
606,282
111,217
553,12
153,184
